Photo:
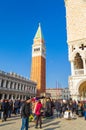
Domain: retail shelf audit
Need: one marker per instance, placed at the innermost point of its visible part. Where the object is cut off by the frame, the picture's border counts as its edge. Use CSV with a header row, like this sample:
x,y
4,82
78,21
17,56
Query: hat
x,y
27,98
36,99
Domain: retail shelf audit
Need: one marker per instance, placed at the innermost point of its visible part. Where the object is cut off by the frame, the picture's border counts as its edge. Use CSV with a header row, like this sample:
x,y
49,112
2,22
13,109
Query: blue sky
x,y
18,24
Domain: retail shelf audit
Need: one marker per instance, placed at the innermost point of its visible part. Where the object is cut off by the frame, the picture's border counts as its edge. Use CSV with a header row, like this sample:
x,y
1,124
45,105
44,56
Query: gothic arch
x,y
75,52
80,83
82,89
78,61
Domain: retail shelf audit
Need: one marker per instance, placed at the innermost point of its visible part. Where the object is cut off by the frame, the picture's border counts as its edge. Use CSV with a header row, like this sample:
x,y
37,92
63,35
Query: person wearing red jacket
x,y
38,114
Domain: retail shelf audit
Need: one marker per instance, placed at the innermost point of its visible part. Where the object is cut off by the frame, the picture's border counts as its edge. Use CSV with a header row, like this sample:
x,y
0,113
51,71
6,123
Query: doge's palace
x,y
76,39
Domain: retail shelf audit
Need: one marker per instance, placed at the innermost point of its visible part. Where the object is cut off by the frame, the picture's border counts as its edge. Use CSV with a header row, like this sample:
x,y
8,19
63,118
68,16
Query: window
x,y
78,62
37,49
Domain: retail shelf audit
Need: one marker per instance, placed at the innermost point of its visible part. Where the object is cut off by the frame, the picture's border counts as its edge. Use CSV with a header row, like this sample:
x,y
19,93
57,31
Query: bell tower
x,y
38,67
76,39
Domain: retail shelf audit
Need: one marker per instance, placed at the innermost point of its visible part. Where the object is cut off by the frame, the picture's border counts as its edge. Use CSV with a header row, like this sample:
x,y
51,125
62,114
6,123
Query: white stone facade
x,y
13,86
66,94
76,19
56,93
76,39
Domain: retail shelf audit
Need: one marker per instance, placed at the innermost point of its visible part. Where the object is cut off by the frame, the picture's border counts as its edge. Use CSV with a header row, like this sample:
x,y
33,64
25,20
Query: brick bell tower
x,y
38,67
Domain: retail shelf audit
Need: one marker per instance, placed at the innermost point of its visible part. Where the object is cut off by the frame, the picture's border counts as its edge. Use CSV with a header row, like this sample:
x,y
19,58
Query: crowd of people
x,y
39,107
9,107
45,107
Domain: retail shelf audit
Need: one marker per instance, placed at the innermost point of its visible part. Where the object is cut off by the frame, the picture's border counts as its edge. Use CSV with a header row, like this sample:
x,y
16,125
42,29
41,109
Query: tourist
x,y
25,113
38,114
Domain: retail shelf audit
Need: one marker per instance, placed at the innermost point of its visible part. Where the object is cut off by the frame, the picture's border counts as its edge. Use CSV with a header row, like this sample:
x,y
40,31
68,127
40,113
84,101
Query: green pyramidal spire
x,y
39,33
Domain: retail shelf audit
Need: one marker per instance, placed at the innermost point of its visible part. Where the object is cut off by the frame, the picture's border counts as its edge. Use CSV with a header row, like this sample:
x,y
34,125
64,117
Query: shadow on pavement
x,y
48,120
53,128
7,124
52,124
13,118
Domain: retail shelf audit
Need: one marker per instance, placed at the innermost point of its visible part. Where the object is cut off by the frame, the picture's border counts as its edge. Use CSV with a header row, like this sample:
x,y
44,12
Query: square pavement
x,y
14,123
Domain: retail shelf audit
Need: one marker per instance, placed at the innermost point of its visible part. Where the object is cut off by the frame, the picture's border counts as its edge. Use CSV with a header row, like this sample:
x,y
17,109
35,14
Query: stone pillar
x,y
72,68
23,87
16,86
7,96
19,96
4,83
19,86
84,66
9,84
31,89
25,98
3,96
15,96
12,96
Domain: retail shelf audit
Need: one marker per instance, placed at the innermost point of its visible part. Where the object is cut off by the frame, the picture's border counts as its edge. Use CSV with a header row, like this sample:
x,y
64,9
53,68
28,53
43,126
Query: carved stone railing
x,y
79,72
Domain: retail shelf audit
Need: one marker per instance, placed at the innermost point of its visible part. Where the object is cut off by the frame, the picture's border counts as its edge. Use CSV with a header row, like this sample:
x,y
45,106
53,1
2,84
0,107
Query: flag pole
x,y
56,90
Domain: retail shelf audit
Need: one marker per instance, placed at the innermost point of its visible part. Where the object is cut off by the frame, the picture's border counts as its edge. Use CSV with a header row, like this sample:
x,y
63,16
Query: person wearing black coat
x,y
25,112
